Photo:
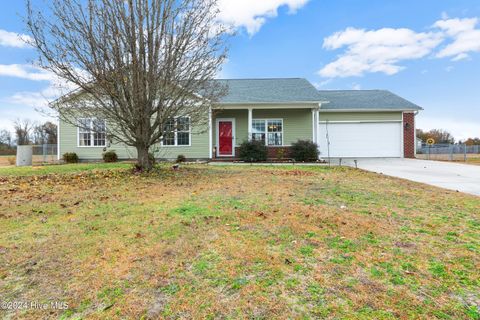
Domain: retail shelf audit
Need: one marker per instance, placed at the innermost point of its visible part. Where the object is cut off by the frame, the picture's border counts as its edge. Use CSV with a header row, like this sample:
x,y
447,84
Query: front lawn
x,y
235,242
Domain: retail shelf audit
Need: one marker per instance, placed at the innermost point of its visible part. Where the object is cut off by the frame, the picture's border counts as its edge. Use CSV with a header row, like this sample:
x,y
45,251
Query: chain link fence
x,y
41,154
45,153
449,152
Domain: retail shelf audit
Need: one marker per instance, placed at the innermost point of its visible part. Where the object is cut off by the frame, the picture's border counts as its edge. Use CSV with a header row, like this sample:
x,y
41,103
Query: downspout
x,y
415,130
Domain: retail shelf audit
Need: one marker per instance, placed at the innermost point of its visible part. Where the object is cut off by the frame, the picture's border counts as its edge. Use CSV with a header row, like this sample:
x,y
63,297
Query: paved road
x,y
453,176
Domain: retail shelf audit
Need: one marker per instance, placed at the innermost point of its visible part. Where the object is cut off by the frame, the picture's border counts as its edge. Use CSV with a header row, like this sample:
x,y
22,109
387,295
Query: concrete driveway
x,y
453,176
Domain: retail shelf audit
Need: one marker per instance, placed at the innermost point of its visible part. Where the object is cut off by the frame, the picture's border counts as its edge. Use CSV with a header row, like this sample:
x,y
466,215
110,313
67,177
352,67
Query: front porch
x,y
278,127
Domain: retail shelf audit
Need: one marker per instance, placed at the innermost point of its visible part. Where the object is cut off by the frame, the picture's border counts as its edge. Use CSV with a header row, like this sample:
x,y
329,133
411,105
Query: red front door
x,y
225,138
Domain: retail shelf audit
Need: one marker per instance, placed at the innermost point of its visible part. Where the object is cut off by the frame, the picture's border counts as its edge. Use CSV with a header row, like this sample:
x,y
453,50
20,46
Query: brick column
x,y
409,141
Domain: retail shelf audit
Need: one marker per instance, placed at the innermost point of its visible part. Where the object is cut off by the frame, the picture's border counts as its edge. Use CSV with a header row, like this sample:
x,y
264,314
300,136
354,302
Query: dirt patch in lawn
x,y
237,242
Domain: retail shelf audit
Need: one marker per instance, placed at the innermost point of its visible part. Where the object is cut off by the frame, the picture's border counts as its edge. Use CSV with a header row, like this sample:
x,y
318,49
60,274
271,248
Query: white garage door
x,y
379,139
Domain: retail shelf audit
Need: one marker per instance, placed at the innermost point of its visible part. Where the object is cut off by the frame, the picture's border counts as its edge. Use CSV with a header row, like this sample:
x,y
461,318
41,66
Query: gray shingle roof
x,y
364,100
287,90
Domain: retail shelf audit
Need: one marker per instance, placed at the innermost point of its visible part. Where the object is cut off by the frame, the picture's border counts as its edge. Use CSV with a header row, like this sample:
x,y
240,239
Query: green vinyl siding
x,y
69,143
297,123
361,116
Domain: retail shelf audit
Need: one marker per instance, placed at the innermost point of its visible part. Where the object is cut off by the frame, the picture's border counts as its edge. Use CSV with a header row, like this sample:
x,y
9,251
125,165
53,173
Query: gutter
x,y
270,103
369,110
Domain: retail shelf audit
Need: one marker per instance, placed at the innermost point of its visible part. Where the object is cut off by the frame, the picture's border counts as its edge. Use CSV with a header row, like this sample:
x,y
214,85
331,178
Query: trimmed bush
x,y
181,158
253,151
70,157
110,156
304,150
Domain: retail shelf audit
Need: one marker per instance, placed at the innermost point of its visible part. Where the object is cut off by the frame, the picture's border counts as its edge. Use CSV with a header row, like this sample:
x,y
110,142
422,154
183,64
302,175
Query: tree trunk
x,y
143,161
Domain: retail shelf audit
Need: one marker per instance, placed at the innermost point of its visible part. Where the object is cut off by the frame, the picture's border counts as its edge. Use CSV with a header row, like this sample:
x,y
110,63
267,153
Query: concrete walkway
x,y
448,175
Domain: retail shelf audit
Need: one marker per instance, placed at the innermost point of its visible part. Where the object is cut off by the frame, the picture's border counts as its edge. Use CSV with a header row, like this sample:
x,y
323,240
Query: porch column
x,y
250,121
314,128
210,135
317,127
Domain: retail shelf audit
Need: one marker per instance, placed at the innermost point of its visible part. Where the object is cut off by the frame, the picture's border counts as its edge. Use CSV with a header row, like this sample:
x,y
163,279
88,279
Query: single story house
x,y
344,124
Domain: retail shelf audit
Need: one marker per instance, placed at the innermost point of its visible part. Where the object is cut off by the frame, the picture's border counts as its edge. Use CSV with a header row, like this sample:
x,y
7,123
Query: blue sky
x,y
427,51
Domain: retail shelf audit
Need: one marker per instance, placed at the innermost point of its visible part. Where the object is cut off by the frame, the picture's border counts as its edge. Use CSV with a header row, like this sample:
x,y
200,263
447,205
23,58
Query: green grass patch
x,y
208,242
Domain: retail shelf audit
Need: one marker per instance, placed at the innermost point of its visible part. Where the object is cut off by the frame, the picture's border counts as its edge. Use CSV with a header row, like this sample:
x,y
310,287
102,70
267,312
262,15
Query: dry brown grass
x,y
5,161
238,242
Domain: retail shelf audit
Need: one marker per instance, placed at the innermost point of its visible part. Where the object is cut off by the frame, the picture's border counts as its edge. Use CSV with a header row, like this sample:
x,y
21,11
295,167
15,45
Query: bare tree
x,y
5,138
136,63
23,129
45,133
439,135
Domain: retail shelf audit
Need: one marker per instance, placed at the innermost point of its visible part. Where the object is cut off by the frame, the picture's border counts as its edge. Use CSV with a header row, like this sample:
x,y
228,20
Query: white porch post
x,y
210,136
314,128
250,121
317,126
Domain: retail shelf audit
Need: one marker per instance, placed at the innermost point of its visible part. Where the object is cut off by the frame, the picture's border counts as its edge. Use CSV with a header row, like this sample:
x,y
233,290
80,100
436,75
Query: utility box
x,y
24,156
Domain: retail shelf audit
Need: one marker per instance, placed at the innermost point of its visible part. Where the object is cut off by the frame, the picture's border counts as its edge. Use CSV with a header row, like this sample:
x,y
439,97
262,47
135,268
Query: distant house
x,y
278,112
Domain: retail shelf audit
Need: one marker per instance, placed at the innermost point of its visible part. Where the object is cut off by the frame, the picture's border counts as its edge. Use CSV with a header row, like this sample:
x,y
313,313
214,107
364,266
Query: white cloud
x,y
252,14
12,39
465,36
24,71
356,86
34,99
321,84
383,50
376,50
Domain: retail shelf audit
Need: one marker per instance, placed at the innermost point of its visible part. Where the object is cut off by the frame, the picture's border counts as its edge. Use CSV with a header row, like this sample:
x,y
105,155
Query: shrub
x,y
181,158
70,157
253,151
110,156
11,160
304,150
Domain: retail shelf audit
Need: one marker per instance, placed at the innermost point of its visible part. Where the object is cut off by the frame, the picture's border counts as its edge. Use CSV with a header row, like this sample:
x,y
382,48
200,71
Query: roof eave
x,y
371,110
271,103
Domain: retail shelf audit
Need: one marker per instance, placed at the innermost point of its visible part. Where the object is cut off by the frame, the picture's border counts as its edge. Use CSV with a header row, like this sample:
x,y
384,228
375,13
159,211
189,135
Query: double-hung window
x,y
92,132
177,132
269,131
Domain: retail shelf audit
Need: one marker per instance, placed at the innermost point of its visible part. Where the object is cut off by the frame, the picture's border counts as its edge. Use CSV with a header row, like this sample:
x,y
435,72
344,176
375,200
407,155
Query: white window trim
x,y
175,139
91,132
266,131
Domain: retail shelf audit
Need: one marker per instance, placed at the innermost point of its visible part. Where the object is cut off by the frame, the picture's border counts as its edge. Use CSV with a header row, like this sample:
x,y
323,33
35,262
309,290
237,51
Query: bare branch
x,y
137,63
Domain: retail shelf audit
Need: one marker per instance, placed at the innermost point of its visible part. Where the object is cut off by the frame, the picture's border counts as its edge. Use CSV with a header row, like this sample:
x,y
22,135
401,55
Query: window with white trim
x,y
177,132
92,132
269,131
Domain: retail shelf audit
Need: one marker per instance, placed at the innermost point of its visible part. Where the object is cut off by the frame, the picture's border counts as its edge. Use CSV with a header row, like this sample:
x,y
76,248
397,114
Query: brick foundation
x,y
274,153
409,143
279,152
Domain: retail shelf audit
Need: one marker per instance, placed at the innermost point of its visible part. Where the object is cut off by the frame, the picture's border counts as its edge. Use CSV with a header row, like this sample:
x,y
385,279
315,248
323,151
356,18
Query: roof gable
x,y
282,90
